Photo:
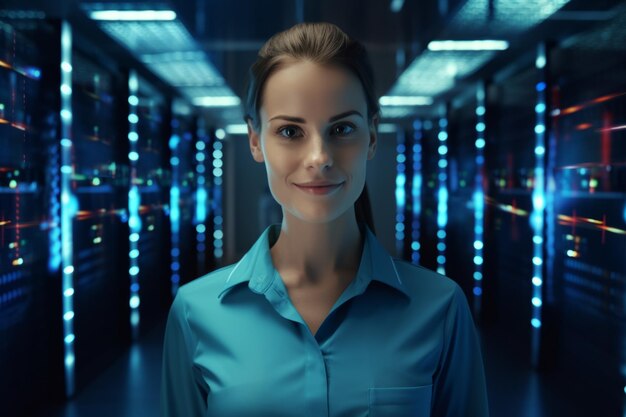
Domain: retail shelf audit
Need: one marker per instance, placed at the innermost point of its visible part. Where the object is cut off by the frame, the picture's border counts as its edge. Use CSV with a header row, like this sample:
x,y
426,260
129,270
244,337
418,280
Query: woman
x,y
317,319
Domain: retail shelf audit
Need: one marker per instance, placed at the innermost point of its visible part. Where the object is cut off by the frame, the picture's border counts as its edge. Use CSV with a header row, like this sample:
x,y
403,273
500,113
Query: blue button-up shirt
x,y
399,341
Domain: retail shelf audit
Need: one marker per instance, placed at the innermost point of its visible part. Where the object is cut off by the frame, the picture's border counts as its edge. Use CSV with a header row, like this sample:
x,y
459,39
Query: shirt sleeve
x,y
459,382
182,393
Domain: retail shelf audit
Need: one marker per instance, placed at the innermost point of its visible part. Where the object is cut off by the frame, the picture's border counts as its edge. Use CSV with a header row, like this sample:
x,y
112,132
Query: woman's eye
x,y
291,132
291,129
344,131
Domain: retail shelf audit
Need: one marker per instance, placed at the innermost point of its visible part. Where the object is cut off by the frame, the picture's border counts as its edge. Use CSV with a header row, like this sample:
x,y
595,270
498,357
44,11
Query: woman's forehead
x,y
312,88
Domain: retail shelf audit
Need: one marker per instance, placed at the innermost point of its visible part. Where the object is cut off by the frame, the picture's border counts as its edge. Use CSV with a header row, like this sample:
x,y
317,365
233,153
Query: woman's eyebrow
x,y
301,120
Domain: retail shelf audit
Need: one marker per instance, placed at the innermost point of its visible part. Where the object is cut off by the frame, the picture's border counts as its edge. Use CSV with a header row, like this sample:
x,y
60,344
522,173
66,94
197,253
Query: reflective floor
x,y
130,388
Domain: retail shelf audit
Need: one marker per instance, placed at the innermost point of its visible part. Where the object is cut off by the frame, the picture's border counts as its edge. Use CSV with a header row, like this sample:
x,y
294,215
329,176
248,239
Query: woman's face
x,y
314,128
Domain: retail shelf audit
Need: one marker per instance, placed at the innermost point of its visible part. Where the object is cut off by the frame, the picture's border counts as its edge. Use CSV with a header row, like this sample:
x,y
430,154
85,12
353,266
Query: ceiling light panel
x,y
207,91
435,72
150,37
116,15
186,74
397,112
509,18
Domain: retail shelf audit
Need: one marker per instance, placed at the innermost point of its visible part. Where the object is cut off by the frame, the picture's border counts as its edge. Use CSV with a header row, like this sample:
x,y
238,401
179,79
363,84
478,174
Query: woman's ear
x,y
254,139
373,137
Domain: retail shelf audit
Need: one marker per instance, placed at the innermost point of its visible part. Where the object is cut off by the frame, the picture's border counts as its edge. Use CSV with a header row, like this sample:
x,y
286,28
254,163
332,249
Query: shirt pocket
x,y
400,401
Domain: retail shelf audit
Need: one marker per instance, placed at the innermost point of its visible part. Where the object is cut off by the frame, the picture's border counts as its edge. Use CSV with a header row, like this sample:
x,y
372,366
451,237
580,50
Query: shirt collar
x,y
256,266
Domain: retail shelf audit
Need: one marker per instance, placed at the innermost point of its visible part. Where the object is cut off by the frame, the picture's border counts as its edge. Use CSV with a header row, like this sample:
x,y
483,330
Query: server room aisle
x,y
130,388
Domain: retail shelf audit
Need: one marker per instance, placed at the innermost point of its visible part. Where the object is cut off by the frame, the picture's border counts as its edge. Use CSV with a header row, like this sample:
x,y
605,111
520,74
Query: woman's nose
x,y
319,151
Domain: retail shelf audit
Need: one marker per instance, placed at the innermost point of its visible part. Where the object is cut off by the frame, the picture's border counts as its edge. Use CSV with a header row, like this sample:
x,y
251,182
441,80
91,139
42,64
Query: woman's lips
x,y
319,190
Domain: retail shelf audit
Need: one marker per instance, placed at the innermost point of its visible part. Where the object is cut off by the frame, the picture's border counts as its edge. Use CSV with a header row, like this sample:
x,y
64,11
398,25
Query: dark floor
x,y
130,388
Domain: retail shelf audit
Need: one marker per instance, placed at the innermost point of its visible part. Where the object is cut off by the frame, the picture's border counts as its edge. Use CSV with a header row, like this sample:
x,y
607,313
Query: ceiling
x,y
230,33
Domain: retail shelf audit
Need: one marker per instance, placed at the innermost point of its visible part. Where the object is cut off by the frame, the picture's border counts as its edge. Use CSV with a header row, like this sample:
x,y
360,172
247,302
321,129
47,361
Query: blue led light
x,y
68,209
478,197
442,193
201,190
134,202
175,142
66,114
134,302
539,204
400,191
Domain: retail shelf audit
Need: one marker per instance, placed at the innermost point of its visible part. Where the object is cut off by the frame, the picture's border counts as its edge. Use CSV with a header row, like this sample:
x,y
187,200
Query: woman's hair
x,y
324,44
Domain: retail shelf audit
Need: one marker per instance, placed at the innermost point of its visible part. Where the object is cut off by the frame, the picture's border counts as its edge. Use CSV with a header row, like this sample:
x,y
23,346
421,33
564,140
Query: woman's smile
x,y
319,189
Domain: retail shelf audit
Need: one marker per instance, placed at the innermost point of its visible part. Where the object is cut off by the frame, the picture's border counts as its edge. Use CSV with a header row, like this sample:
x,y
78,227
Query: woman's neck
x,y
317,255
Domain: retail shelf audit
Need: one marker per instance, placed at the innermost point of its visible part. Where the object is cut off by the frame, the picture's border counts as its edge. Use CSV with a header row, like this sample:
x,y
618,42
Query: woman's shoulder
x,y
206,285
425,283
